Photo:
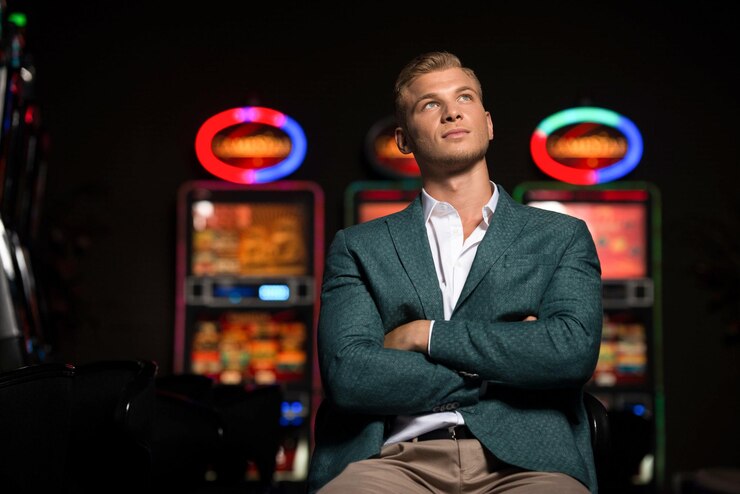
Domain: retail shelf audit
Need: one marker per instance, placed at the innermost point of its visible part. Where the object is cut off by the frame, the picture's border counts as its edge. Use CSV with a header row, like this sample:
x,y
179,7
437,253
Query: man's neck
x,y
470,190
467,193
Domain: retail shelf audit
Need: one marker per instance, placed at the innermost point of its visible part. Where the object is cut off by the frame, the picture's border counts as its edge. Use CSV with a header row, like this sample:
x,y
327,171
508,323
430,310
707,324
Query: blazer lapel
x,y
409,236
506,224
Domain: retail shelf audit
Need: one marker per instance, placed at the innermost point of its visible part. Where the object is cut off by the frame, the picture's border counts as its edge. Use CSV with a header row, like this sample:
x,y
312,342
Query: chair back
x,y
196,387
598,422
35,427
252,431
188,437
112,417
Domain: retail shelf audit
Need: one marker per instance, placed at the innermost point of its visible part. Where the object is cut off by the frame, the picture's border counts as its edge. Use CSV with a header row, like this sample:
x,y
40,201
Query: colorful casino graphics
x,y
249,239
586,146
250,145
618,230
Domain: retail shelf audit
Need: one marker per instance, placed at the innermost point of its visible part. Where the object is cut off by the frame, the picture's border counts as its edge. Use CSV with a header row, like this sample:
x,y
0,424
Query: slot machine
x,y
249,263
24,331
587,150
365,200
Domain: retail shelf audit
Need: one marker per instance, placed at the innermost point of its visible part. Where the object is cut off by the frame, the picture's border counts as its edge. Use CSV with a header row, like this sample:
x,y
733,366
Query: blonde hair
x,y
424,64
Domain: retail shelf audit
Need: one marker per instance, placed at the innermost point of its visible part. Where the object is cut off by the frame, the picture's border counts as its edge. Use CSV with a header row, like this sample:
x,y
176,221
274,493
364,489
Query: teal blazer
x,y
380,274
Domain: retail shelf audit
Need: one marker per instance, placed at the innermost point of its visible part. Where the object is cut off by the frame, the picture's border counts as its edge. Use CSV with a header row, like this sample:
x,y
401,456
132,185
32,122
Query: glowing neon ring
x,y
577,176
256,114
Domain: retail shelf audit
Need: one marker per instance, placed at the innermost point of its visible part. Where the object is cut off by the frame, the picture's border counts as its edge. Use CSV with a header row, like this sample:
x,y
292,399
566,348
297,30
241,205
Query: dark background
x,y
124,87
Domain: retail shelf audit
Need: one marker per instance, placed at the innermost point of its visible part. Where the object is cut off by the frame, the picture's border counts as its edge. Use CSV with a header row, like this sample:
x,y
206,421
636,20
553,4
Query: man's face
x,y
446,124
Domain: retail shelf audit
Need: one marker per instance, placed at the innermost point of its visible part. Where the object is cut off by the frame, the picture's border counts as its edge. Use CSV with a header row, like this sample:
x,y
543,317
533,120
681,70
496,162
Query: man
x,y
455,336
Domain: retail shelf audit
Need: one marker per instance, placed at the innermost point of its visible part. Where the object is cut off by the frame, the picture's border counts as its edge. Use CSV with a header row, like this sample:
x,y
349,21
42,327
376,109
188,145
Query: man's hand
x,y
412,336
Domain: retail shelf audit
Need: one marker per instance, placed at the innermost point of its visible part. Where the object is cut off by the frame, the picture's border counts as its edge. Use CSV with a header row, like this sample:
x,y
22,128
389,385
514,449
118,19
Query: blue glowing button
x,y
274,293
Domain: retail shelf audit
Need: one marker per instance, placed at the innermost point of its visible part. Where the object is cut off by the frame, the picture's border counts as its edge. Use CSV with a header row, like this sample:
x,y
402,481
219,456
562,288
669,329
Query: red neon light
x,y
558,170
203,140
228,118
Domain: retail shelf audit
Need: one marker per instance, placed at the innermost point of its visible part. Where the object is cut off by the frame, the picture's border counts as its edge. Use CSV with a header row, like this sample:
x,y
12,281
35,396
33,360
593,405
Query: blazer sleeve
x,y
558,350
358,373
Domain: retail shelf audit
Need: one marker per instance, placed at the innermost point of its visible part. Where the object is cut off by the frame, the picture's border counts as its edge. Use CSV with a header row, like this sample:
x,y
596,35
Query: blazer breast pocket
x,y
518,283
526,270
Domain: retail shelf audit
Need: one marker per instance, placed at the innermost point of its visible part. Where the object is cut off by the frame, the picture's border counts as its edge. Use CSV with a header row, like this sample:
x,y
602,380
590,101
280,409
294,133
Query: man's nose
x,y
451,114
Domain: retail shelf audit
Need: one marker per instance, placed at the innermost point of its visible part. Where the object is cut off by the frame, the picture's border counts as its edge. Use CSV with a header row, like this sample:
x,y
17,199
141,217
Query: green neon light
x,y
18,18
574,115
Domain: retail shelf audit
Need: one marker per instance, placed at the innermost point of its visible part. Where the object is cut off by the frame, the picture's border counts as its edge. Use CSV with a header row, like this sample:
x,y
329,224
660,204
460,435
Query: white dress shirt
x,y
453,256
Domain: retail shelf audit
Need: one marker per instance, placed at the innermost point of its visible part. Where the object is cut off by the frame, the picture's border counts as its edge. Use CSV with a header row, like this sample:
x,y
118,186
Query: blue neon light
x,y
294,158
630,160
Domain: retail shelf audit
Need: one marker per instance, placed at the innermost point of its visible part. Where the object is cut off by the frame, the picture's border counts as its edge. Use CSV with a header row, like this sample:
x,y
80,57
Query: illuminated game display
x,y
368,200
618,231
244,239
250,347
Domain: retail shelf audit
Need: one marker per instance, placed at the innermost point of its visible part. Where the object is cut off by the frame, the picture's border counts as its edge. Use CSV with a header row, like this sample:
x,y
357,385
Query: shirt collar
x,y
428,204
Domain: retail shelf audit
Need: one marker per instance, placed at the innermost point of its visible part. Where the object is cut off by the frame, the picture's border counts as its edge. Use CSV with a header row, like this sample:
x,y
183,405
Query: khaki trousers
x,y
445,466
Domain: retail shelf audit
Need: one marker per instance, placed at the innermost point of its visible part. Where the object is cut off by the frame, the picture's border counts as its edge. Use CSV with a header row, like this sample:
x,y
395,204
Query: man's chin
x,y
459,162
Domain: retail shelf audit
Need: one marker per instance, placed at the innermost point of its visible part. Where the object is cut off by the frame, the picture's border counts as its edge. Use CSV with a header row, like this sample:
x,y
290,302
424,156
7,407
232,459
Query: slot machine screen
x,y
249,239
250,347
619,232
623,354
370,210
377,200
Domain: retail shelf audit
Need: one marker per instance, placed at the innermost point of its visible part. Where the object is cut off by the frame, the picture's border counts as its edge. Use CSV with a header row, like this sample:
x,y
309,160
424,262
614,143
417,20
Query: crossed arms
x,y
373,362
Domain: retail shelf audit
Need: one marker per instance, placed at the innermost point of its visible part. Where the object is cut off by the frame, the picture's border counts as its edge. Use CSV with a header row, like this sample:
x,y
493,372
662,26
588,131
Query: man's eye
x,y
466,97
429,105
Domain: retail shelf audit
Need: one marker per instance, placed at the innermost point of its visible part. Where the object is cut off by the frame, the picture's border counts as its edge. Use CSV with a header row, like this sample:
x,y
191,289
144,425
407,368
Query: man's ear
x,y
401,141
490,126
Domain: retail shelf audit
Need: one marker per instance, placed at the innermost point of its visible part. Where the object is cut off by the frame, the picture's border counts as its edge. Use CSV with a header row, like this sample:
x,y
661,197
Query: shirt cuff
x,y
429,341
